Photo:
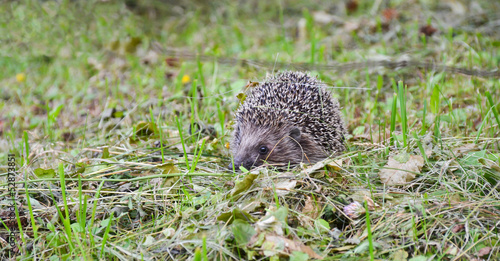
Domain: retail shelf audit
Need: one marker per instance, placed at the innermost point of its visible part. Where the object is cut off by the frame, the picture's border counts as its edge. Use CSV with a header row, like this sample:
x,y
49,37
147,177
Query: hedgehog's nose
x,y
237,163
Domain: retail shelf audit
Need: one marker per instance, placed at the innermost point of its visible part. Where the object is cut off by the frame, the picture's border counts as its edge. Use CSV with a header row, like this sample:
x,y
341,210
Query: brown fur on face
x,y
284,143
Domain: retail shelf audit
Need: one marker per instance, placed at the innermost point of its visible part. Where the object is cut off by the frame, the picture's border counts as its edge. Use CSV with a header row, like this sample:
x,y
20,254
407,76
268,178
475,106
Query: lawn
x,y
116,119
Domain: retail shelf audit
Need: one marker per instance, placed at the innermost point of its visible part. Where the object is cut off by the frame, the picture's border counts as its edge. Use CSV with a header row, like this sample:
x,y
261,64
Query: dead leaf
x,y
251,85
132,44
323,17
427,30
451,250
400,169
241,97
310,208
151,57
168,168
97,65
172,61
353,240
253,205
342,249
310,213
428,152
371,204
68,136
243,185
230,216
170,75
271,224
483,251
351,6
284,187
458,228
146,129
336,164
400,255
168,232
464,149
275,242
456,7
350,26
390,14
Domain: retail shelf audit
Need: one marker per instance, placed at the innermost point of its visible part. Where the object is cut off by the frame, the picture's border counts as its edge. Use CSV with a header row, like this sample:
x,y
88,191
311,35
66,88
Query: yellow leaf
x,y
185,79
21,77
335,165
311,209
132,44
242,97
244,185
168,168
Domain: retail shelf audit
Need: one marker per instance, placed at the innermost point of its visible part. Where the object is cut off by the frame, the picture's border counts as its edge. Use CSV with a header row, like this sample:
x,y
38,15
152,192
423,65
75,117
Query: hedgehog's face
x,y
254,145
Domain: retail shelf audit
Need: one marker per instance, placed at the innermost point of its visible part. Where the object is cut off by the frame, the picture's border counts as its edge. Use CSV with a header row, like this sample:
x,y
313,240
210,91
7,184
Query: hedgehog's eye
x,y
263,150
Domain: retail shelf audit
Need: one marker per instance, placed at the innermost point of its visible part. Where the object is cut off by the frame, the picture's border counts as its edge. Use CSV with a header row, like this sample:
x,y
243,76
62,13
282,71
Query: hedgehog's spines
x,y
298,99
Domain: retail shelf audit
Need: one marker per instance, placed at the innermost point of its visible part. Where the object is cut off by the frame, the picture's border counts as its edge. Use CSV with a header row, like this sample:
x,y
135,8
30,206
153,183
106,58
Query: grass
x,y
122,150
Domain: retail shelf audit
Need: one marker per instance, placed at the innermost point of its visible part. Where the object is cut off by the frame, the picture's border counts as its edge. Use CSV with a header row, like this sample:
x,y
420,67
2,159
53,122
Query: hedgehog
x,y
287,119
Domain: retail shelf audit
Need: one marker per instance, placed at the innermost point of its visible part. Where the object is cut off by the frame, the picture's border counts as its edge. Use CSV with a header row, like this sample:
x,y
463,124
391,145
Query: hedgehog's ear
x,y
295,133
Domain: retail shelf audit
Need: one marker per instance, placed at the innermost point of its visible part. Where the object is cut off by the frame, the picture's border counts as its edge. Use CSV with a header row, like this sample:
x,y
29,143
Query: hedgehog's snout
x,y
230,166
247,164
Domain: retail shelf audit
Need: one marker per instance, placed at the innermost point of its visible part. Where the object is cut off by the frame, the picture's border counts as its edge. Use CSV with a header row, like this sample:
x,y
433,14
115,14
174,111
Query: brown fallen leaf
x,y
151,57
390,14
68,136
483,251
172,62
400,255
458,228
275,241
350,26
336,164
464,149
451,249
310,208
311,212
371,204
343,248
283,188
229,184
400,169
351,6
323,17
427,30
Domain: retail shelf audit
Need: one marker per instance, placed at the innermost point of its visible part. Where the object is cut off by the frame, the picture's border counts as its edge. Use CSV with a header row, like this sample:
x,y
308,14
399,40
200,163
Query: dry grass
x,y
138,135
